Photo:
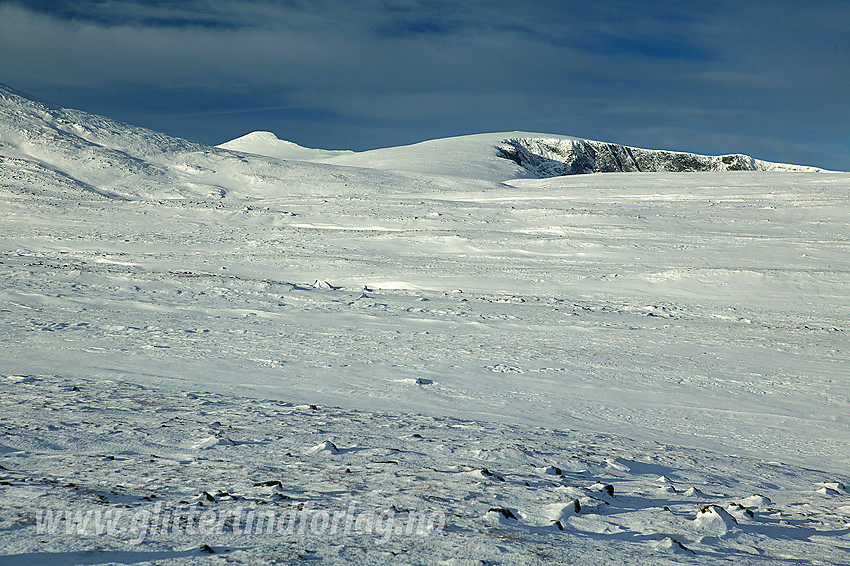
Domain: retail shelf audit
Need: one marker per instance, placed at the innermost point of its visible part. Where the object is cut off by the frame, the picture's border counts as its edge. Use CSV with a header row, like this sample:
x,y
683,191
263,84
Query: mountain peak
x,y
268,144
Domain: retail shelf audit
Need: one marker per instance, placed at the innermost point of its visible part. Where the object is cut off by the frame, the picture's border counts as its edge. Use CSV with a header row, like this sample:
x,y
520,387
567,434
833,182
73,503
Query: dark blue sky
x,y
771,79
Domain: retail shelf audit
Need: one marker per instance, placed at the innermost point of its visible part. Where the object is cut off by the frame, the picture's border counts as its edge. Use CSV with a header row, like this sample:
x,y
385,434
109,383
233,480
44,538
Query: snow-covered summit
x,y
268,144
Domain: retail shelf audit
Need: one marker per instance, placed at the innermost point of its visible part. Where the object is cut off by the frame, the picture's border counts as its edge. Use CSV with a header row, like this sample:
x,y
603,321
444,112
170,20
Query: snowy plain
x,y
418,329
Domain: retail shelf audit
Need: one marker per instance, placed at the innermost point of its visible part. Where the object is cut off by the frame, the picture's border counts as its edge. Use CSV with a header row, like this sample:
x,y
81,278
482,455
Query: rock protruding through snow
x,y
555,157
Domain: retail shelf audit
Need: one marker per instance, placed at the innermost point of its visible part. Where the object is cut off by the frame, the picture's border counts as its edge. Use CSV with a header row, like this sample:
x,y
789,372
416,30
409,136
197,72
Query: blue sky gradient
x,y
769,79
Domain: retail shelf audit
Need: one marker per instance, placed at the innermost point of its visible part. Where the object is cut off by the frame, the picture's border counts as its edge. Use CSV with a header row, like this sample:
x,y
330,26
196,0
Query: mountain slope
x,y
51,150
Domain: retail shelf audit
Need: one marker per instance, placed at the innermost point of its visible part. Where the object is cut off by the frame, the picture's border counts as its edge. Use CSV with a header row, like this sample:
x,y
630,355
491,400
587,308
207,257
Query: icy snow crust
x,y
427,328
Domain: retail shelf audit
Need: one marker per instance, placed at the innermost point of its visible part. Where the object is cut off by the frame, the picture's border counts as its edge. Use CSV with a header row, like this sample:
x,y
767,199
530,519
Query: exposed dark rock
x,y
557,157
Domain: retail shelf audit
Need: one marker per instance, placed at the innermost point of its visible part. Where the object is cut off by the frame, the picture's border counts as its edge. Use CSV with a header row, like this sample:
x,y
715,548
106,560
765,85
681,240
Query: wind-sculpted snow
x,y
630,367
128,474
553,157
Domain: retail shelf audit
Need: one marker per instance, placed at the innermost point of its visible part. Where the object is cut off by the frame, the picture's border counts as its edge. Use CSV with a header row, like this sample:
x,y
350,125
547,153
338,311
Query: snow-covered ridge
x,y
554,157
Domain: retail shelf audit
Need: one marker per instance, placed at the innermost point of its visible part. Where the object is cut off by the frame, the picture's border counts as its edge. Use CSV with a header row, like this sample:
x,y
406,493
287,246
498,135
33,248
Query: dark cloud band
x,y
710,77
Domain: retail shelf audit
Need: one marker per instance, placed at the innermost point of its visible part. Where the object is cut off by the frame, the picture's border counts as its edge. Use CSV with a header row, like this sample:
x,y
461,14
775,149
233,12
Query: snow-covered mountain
x,y
48,148
635,368
500,156
474,157
266,143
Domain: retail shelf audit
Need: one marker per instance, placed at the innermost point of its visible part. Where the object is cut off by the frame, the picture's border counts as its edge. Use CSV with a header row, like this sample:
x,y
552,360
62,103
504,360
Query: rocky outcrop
x,y
555,157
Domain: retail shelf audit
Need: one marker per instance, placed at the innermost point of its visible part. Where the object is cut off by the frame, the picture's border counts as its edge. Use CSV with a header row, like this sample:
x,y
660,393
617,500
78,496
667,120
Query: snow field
x,y
622,367
507,493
